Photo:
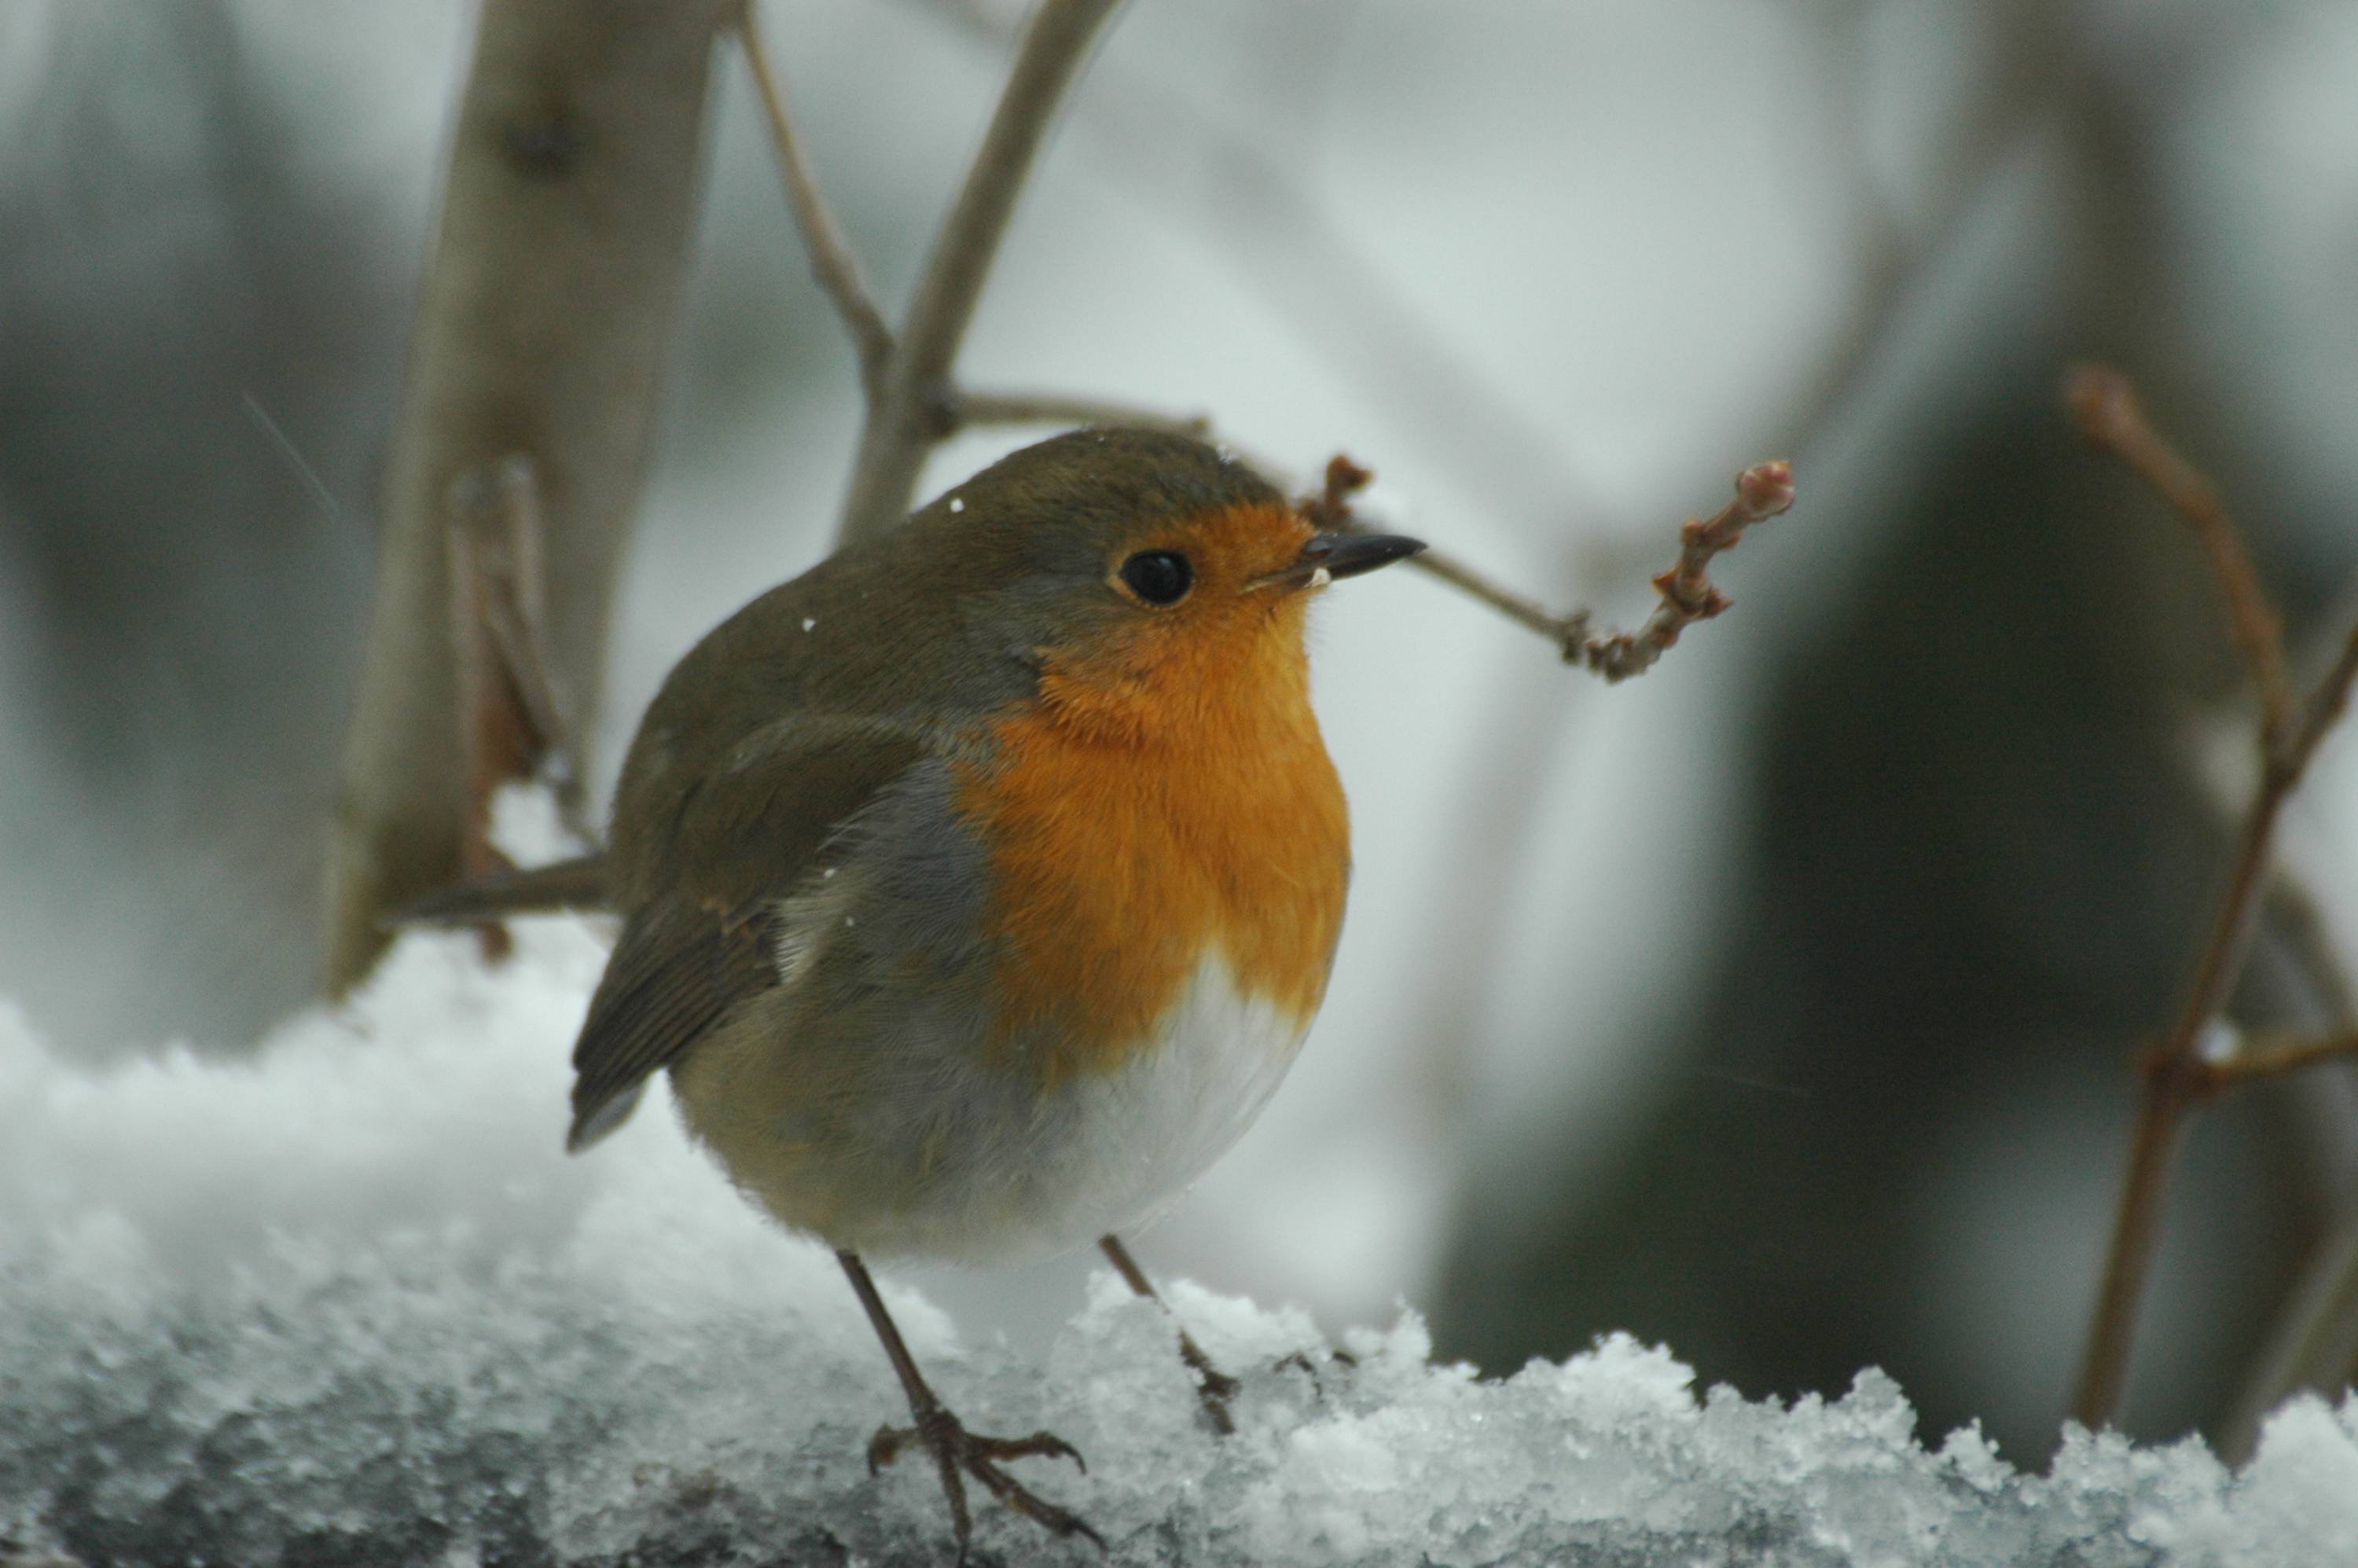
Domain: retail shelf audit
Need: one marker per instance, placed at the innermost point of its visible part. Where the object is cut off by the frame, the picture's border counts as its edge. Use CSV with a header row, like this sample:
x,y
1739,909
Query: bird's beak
x,y
1329,556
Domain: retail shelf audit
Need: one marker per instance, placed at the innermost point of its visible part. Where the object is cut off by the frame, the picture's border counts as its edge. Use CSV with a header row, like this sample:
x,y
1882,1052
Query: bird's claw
x,y
1213,1390
958,1452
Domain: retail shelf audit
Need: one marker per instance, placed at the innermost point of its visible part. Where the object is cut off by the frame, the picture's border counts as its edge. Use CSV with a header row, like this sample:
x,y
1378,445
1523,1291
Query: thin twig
x,y
1762,492
2176,1074
2272,1058
1567,632
2109,414
905,422
1194,162
966,409
1331,509
2173,1073
920,405
833,262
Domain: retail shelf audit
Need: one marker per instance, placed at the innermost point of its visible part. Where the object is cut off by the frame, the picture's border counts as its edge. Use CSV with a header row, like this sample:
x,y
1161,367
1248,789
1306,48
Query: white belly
x,y
1131,1141
928,1150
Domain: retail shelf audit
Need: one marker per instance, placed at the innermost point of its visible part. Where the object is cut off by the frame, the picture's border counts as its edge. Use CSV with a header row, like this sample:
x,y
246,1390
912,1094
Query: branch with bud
x,y
1686,591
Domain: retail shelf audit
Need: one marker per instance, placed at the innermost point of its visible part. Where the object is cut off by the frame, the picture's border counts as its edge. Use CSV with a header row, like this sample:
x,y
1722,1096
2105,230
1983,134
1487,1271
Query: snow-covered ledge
x,y
337,1304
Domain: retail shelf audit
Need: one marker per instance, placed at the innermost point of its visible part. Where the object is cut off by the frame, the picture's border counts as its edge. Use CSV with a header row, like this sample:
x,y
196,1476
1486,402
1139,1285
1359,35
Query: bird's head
x,y
1155,578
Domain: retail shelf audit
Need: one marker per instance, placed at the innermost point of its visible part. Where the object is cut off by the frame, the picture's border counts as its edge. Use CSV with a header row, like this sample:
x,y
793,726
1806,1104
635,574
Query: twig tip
x,y
2102,400
1766,490
1330,509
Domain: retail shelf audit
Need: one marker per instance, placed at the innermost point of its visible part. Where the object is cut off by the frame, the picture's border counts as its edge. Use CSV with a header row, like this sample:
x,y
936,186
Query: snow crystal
x,y
346,1301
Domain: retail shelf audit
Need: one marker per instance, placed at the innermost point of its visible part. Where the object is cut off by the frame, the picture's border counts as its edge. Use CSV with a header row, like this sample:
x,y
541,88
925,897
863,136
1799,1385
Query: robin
x,y
979,885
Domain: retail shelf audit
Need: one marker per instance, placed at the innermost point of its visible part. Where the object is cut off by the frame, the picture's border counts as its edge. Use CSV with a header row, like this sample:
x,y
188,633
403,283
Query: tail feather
x,y
578,884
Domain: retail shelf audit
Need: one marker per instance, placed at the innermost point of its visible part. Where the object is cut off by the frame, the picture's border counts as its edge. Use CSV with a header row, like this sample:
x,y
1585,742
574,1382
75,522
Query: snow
x,y
346,1300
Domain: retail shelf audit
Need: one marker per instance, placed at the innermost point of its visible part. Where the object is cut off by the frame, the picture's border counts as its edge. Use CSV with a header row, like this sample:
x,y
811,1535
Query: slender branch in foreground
x,y
904,422
1686,593
2107,407
833,262
2177,1075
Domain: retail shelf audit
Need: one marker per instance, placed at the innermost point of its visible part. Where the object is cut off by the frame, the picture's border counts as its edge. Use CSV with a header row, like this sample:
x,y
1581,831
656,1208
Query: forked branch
x,y
912,411
913,402
2179,1074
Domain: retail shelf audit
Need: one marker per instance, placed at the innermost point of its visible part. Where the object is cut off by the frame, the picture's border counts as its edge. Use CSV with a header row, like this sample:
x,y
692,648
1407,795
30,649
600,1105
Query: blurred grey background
x,y
1780,1005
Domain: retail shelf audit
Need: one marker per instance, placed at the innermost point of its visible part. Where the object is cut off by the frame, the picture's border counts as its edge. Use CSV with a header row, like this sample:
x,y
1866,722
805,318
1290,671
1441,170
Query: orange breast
x,y
1159,806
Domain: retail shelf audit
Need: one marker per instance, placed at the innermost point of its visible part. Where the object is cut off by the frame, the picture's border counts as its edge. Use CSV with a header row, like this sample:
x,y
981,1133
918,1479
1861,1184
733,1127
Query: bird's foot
x,y
958,1452
1214,1388
1299,1362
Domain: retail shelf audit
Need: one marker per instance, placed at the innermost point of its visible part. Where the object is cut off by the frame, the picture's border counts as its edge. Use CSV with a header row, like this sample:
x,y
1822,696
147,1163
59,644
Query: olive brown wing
x,y
705,939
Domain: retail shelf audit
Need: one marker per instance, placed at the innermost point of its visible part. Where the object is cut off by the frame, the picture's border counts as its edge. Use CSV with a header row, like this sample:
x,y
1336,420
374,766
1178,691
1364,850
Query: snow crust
x,y
346,1301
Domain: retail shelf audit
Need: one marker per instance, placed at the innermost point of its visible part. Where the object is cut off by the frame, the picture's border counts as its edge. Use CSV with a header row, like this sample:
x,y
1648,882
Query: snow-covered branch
x,y
347,1301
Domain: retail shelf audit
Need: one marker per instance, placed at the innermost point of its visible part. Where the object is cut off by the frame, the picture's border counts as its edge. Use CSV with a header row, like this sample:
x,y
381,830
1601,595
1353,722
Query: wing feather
x,y
707,938
672,977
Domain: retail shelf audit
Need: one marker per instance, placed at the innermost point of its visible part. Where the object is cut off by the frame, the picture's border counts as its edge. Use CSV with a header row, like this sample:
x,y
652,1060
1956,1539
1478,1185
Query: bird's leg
x,y
1212,1387
954,1449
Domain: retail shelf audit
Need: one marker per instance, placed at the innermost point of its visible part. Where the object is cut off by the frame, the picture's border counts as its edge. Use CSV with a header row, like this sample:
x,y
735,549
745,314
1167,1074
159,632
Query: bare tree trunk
x,y
548,306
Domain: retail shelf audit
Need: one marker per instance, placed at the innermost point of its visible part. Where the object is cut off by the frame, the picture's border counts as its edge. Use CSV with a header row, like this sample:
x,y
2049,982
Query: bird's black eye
x,y
1158,577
